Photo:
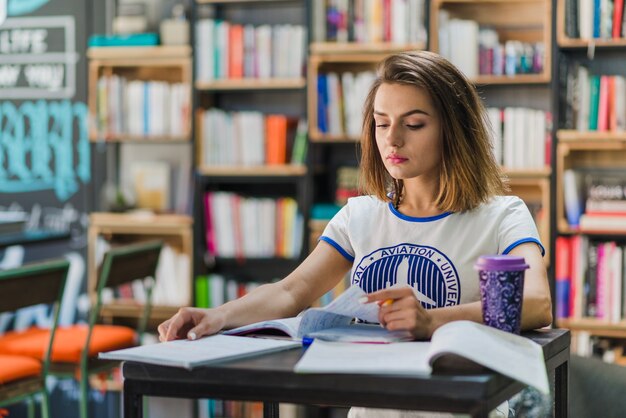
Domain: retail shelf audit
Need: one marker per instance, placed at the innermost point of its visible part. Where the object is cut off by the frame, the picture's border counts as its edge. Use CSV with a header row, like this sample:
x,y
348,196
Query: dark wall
x,y
45,156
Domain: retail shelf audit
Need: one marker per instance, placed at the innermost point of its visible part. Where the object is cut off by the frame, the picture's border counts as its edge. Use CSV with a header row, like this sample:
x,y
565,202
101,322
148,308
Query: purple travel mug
x,y
501,288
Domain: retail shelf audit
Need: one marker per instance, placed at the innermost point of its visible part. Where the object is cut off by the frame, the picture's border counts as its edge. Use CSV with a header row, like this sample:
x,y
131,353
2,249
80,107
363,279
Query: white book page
x,y
509,354
287,325
339,312
189,354
404,358
361,333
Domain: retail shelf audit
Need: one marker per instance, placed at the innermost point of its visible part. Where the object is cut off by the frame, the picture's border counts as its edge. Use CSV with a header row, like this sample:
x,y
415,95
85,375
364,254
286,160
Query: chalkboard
x,y
45,162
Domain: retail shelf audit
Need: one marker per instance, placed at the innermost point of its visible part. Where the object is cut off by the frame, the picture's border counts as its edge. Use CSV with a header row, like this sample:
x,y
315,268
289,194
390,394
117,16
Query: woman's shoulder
x,y
367,201
499,205
364,205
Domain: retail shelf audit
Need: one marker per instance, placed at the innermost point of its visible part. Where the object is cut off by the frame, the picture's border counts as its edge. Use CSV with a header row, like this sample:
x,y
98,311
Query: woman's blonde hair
x,y
470,174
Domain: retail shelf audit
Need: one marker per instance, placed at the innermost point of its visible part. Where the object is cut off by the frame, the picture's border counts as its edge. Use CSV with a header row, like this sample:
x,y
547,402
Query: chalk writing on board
x,y
21,7
38,58
37,148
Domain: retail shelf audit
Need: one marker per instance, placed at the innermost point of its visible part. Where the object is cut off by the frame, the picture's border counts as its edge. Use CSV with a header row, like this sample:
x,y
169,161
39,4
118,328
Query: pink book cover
x,y
612,123
387,20
574,259
209,231
618,10
235,207
603,104
601,283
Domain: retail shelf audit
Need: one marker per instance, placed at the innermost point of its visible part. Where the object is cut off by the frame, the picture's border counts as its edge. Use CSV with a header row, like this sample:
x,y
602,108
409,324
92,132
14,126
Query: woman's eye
x,y
381,125
416,126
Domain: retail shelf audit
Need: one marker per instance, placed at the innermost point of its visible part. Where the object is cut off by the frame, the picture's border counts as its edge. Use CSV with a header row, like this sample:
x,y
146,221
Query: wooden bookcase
x,y
516,20
121,228
284,95
171,64
586,150
519,20
533,187
359,50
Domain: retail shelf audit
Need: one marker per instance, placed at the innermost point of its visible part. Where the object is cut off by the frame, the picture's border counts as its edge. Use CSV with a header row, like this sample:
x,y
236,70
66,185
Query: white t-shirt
x,y
434,255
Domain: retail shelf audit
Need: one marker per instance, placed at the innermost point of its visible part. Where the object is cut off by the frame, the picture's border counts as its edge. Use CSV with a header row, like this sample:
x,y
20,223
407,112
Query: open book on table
x,y
511,355
332,322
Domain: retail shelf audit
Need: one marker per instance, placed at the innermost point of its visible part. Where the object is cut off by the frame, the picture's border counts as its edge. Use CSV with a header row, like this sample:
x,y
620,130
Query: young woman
x,y
435,205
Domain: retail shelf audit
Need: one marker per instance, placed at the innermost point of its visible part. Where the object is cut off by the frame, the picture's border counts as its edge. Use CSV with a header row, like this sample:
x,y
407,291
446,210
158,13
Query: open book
x,y
189,354
511,355
332,322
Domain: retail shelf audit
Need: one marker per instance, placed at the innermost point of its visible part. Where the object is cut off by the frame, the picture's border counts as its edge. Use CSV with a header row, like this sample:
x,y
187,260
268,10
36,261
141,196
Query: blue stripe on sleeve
x,y
338,248
523,241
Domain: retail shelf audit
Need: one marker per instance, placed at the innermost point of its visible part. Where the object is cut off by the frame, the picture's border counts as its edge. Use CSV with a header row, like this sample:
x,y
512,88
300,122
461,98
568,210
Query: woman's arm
x,y
316,275
537,305
407,313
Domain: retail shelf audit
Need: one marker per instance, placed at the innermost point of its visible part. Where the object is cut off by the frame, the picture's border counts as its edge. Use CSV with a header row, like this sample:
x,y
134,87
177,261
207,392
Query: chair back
x,y
128,263
34,284
123,265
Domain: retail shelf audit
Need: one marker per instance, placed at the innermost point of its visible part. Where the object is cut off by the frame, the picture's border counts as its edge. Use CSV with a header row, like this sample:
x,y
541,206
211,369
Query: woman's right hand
x,y
191,323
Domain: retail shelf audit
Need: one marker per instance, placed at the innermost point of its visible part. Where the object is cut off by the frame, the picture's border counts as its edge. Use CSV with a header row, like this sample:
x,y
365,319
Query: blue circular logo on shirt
x,y
429,272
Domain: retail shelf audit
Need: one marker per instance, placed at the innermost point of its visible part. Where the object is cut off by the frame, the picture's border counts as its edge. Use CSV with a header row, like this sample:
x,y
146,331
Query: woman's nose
x,y
393,135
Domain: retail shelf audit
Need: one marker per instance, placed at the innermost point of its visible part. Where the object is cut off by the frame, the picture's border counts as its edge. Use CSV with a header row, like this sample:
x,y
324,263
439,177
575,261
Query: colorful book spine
x,y
563,277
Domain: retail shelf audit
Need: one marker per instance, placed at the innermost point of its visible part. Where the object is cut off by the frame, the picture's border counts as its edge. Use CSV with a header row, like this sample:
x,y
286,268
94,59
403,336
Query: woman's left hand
x,y
400,310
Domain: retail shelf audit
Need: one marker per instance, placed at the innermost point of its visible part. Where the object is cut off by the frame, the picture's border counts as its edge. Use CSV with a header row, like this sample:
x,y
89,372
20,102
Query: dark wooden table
x,y
270,378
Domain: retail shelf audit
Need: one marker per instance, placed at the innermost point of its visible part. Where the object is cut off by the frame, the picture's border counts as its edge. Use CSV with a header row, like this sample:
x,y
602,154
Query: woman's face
x,y
408,132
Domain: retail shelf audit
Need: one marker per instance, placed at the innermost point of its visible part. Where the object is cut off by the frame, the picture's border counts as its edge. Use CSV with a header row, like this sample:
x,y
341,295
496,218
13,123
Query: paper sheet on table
x,y
403,358
207,350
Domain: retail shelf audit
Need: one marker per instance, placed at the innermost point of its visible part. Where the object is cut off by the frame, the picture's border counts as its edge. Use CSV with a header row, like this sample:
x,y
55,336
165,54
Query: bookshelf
x,y
486,30
528,21
123,228
112,70
590,150
236,93
348,50
120,79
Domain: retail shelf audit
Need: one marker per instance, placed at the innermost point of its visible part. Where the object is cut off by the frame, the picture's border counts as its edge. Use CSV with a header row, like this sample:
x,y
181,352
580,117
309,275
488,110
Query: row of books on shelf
x,y
158,186
595,200
347,184
595,19
609,350
218,408
363,21
213,290
590,278
171,286
251,138
340,98
228,50
594,102
252,227
477,50
521,137
142,108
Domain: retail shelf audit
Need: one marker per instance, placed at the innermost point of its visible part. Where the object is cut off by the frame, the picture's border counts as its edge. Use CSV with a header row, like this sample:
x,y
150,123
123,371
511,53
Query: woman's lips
x,y
396,159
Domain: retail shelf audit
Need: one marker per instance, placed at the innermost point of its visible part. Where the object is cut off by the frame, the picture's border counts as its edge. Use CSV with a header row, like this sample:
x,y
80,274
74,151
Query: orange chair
x,y
75,349
22,377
